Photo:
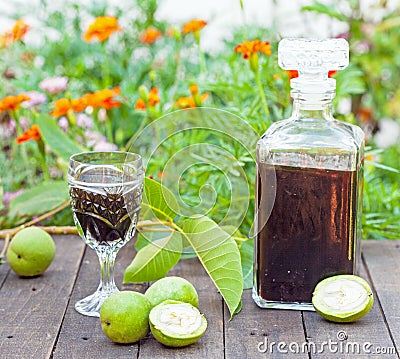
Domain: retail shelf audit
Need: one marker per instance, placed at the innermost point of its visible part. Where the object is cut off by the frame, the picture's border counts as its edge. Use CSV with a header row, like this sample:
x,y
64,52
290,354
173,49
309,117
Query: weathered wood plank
x,y
32,313
256,332
81,336
361,339
4,269
31,310
382,259
211,345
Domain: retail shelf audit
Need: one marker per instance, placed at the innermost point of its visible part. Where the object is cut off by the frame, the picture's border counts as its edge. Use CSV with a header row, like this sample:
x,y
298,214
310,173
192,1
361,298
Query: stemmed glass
x,y
106,194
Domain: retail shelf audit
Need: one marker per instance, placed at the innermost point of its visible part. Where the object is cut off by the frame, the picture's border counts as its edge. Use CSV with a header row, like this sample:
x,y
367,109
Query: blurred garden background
x,y
83,75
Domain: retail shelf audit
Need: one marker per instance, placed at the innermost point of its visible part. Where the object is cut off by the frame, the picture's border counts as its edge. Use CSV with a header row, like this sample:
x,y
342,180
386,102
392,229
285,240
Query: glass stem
x,y
107,261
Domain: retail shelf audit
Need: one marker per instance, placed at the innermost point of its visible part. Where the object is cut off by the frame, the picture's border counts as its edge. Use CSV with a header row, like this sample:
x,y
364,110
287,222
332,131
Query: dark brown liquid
x,y
310,232
104,218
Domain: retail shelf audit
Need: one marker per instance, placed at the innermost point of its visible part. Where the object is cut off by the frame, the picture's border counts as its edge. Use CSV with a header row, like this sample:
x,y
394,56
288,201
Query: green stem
x,y
109,130
105,67
43,162
24,154
202,60
45,168
177,67
263,98
142,226
135,135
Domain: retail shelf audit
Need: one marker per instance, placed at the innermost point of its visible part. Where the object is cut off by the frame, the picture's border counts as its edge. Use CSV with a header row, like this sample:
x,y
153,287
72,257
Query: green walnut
x,y
174,288
124,317
343,298
31,251
176,324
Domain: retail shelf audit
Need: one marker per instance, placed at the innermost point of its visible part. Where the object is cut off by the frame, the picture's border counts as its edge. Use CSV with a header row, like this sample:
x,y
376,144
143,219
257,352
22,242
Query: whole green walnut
x,y
124,317
31,251
174,288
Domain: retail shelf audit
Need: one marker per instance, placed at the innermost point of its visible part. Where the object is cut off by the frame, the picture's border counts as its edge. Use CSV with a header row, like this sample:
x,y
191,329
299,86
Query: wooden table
x,y
38,320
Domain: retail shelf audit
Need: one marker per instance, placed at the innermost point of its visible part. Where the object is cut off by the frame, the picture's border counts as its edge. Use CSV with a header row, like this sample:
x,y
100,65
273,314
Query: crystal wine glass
x,y
106,194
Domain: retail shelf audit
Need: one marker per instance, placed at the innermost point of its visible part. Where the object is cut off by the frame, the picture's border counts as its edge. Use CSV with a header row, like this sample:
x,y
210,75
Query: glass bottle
x,y
309,184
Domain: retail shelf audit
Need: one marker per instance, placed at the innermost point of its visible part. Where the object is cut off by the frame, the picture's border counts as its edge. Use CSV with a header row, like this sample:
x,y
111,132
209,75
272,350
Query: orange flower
x,y
101,28
103,98
140,105
294,73
152,100
149,36
12,103
194,89
189,102
332,73
89,98
185,102
79,104
32,133
16,33
193,26
19,30
61,107
249,48
369,157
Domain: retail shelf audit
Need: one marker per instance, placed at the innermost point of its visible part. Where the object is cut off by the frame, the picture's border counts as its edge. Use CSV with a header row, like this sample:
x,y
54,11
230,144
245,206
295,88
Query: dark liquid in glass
x,y
105,214
310,232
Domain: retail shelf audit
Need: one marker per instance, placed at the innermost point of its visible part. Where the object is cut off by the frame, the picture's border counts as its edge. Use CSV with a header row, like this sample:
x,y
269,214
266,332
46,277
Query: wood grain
x,y
32,309
38,319
81,336
254,331
382,258
369,329
4,270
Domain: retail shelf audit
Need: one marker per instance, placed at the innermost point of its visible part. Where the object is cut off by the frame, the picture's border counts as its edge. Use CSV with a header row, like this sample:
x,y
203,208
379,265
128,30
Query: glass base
x,y
262,303
91,305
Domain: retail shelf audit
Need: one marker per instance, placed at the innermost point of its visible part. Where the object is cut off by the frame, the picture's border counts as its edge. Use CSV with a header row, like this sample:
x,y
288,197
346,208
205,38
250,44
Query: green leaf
x,y
155,260
143,240
160,200
1,196
381,166
326,10
40,199
56,139
350,82
238,308
219,255
246,250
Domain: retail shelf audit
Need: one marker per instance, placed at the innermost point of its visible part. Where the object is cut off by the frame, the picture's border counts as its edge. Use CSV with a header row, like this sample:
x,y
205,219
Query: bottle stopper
x,y
313,59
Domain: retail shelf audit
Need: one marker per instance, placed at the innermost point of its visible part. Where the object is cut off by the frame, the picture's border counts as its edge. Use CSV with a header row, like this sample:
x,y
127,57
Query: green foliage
x,y
215,248
381,218
155,260
48,195
219,255
371,52
58,141
247,259
159,200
